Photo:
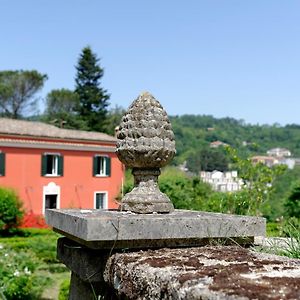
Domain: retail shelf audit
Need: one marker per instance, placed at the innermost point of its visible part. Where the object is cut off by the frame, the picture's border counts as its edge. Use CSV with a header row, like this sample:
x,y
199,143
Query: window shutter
x,y
60,165
44,164
2,164
108,167
95,163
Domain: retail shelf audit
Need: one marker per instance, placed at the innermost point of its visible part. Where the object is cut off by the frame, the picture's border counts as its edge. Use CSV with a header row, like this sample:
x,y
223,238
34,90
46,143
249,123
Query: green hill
x,y
195,132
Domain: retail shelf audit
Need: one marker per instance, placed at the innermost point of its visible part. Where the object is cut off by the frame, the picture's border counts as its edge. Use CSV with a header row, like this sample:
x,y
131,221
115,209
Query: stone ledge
x,y
210,273
110,228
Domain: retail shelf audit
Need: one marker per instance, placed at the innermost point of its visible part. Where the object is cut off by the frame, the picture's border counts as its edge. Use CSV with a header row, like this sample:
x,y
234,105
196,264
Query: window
x,y
50,201
52,165
101,165
101,200
2,164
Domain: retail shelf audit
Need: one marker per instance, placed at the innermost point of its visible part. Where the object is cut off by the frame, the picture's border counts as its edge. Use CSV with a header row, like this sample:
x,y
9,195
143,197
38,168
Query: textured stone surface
x,y
146,143
211,273
145,136
107,228
83,290
146,197
87,263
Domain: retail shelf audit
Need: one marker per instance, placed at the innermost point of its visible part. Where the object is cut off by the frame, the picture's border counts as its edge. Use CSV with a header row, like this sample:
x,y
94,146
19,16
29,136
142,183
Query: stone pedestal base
x,y
87,266
80,289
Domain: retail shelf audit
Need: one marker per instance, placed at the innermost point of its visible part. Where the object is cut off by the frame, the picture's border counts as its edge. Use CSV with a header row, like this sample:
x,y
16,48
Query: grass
x,y
288,243
292,230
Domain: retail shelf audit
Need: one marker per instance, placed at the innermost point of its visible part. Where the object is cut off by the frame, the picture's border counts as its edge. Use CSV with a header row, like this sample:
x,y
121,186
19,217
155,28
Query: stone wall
x,y
211,272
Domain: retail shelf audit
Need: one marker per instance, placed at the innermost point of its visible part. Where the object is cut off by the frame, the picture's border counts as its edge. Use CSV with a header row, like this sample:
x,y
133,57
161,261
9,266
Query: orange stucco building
x,y
51,167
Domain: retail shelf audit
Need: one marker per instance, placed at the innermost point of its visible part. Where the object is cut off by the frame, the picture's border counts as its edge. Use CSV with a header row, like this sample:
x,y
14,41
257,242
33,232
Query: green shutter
x,y
108,167
44,164
2,164
95,162
60,165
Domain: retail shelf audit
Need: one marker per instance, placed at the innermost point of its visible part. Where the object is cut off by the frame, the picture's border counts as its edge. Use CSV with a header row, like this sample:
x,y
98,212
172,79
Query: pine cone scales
x,y
145,137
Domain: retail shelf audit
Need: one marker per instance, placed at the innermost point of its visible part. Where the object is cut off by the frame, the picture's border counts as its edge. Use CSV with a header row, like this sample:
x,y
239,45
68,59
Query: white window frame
x,y
54,165
102,170
105,202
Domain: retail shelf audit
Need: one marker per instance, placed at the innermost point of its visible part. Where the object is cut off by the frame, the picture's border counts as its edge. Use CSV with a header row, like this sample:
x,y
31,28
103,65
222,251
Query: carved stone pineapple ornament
x,y
146,143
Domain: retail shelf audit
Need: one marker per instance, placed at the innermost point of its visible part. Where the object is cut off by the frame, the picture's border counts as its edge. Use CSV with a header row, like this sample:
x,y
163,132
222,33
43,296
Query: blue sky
x,y
225,58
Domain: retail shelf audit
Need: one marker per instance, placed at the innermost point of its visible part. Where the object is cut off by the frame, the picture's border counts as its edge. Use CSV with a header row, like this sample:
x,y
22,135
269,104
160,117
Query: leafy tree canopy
x,y
17,91
61,101
113,119
207,159
61,111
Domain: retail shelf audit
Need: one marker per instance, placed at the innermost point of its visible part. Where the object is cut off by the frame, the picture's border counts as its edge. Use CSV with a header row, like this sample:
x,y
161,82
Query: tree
x,y
207,160
62,101
17,90
292,204
93,100
61,108
258,181
114,117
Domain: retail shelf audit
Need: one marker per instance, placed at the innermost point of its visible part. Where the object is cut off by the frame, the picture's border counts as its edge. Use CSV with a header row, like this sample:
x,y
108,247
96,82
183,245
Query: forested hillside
x,y
195,132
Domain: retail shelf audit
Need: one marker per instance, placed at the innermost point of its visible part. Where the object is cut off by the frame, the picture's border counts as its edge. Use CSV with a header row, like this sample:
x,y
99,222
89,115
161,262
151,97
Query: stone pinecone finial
x,y
146,143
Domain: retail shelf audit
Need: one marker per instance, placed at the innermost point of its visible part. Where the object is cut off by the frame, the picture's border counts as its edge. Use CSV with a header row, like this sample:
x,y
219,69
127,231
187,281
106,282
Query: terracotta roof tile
x,y
39,129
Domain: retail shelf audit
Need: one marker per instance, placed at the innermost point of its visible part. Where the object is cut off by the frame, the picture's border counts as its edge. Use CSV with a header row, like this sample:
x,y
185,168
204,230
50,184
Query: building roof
x,y
265,159
279,149
216,144
43,130
279,152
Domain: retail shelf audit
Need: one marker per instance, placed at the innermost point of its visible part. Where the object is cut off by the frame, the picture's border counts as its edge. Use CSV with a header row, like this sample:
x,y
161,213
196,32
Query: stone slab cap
x,y
210,273
100,229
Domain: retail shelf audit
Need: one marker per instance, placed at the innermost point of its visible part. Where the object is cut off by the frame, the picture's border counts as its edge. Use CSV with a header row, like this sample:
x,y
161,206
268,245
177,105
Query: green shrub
x,y
292,204
43,246
11,211
18,277
57,268
64,290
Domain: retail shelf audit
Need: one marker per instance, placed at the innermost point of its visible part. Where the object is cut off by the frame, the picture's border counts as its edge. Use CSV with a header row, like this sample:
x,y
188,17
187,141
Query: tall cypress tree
x,y
93,100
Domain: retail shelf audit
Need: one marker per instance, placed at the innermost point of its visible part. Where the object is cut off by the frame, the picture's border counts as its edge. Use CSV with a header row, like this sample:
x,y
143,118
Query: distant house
x,y
289,162
279,152
222,181
271,161
217,144
51,167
